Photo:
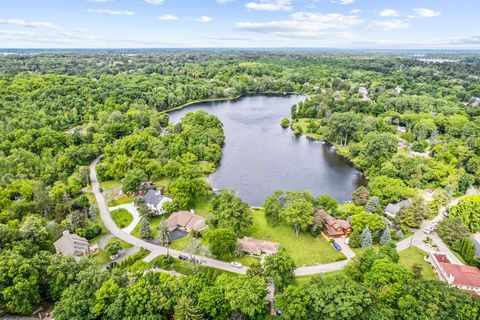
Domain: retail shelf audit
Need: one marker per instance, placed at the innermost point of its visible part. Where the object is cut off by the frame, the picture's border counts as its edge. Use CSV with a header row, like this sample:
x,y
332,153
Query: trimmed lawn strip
x,y
413,255
120,201
122,217
110,184
185,267
305,250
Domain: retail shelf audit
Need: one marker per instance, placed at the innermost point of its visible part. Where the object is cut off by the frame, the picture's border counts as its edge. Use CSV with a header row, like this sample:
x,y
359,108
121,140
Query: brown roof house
x,y
257,247
185,220
335,227
71,244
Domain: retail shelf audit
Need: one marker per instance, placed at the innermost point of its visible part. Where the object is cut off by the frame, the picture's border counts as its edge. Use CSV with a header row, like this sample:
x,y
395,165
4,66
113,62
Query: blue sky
x,y
421,24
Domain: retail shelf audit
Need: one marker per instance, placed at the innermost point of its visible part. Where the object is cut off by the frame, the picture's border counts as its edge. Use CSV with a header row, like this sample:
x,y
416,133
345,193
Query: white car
x,y
236,264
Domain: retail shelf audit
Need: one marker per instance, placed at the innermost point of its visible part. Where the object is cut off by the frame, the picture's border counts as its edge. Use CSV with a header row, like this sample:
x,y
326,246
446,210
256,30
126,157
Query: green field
x,y
305,250
413,255
110,184
122,217
120,201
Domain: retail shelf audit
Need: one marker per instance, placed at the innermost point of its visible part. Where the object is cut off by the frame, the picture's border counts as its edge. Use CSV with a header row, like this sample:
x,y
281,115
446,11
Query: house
x,y
71,244
392,209
474,101
363,91
145,187
257,247
155,200
335,228
186,221
401,129
462,277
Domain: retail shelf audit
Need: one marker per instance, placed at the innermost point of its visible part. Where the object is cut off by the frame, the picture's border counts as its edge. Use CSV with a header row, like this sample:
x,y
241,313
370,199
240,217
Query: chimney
x,y
66,232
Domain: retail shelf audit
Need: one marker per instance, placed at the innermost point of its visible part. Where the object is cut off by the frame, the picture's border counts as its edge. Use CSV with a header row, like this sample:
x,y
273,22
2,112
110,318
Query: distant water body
x,y
259,156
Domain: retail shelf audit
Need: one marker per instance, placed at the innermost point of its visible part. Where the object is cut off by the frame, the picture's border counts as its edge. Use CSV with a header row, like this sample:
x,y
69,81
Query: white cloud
x,y
111,12
168,17
270,5
29,24
426,13
386,25
389,13
155,1
224,1
343,1
204,19
305,25
21,34
355,11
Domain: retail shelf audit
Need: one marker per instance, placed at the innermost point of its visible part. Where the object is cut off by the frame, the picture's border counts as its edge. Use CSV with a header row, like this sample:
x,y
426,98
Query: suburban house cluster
x,y
462,277
155,200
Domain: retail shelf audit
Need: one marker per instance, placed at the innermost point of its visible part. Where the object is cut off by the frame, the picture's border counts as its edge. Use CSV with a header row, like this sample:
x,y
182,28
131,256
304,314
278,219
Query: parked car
x,y
110,265
236,264
183,257
336,246
193,260
100,189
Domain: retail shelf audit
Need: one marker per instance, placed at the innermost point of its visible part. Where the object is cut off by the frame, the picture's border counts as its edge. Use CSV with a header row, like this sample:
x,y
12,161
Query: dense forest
x,y
406,123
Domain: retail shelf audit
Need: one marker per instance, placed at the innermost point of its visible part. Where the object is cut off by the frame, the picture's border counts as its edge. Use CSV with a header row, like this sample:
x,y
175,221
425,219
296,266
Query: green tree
x,y
342,127
231,212
372,204
298,214
33,229
164,234
452,229
186,309
285,123
360,196
280,269
389,189
386,236
132,180
366,240
113,247
273,207
380,146
468,209
223,243
184,191
292,303
105,296
145,230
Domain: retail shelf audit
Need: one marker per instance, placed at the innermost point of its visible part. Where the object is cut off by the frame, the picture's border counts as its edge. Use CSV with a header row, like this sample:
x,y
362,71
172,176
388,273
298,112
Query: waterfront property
x,y
462,277
155,200
335,228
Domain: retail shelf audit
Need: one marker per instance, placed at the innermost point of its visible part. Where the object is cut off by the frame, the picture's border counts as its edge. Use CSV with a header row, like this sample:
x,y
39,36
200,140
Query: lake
x,y
259,156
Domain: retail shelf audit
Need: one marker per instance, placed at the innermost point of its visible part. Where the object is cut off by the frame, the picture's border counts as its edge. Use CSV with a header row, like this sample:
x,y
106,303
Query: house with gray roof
x,y
71,244
476,242
392,209
155,200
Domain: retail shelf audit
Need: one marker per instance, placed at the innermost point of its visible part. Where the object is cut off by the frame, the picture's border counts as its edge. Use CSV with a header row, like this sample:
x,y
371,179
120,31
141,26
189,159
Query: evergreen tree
x,y
386,236
372,204
400,234
164,232
186,309
360,196
366,240
145,231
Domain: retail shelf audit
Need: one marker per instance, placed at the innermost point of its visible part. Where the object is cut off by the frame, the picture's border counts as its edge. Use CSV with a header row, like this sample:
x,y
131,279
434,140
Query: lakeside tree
x,y
223,243
231,212
274,205
299,214
360,196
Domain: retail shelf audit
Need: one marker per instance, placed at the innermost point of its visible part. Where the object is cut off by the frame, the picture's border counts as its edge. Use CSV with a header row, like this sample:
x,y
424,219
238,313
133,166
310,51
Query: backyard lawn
x,y
122,217
305,250
154,224
110,184
412,255
120,201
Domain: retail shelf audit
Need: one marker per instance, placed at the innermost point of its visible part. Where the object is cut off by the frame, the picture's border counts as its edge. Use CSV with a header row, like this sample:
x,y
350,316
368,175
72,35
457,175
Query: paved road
x,y
154,249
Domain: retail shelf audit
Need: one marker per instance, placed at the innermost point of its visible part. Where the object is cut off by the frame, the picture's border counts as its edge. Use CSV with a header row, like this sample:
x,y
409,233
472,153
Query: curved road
x,y
417,239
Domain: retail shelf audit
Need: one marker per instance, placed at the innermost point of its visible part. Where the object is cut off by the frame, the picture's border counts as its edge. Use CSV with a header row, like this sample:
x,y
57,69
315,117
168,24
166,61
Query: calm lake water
x,y
260,156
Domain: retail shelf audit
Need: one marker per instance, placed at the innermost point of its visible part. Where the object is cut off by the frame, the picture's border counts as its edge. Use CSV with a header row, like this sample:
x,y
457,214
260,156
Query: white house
x,y
155,200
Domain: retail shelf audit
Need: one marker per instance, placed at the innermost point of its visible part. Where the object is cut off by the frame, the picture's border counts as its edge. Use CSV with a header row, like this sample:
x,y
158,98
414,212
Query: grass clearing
x,y
413,255
154,224
305,250
120,201
122,217
110,184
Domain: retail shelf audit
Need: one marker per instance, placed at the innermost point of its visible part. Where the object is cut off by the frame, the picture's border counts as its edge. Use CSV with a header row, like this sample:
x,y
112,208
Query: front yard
x,y
122,217
413,255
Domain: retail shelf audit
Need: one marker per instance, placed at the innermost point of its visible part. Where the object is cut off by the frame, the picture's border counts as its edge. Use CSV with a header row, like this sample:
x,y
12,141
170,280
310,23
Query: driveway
x,y
130,207
154,249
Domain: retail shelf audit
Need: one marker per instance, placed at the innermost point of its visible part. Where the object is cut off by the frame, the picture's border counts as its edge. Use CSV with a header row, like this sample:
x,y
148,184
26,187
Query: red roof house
x,y
463,277
335,227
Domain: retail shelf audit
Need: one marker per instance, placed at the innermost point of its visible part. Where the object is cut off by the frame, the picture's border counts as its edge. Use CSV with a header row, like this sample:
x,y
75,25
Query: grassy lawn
x,y
305,250
184,267
122,217
120,201
203,207
101,258
303,123
110,184
412,255
163,183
